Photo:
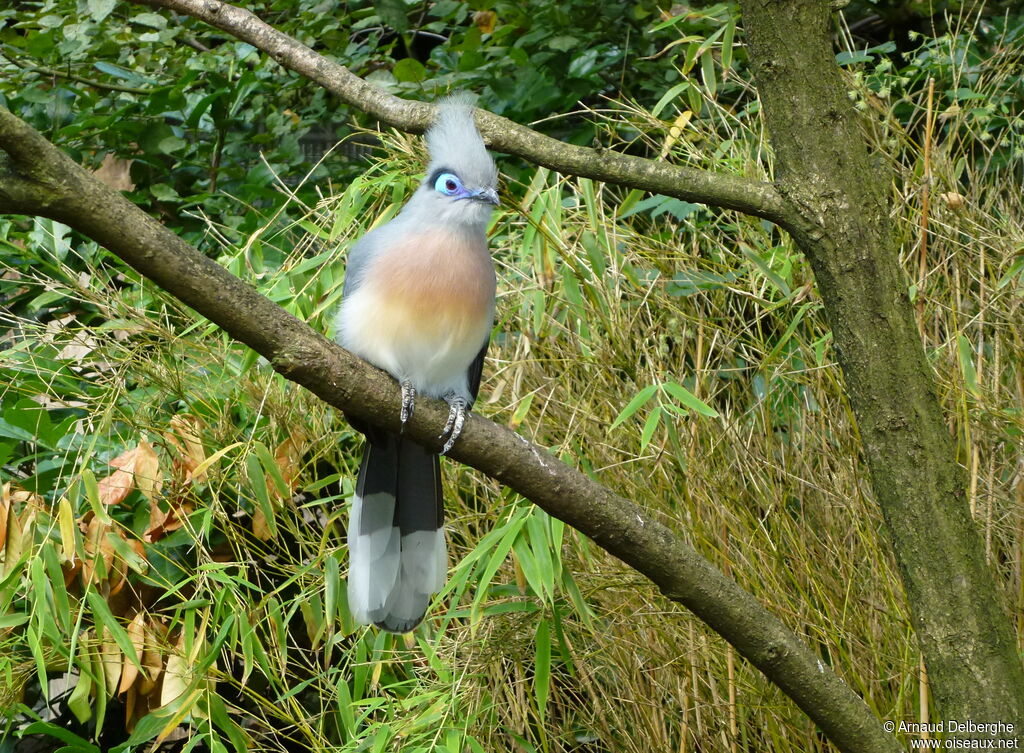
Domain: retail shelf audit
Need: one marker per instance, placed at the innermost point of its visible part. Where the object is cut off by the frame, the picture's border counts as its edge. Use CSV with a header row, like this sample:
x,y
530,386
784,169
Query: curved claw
x,y
456,419
408,401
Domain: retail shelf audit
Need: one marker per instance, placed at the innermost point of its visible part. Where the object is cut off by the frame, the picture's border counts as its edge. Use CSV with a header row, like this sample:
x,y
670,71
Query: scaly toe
x,y
408,401
456,419
453,413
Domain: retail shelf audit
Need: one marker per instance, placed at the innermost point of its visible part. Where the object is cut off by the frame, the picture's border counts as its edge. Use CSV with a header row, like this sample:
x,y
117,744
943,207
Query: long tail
x,y
397,554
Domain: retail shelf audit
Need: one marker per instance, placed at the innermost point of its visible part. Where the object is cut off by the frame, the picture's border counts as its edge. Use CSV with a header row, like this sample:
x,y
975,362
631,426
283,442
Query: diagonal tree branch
x,y
38,179
701,186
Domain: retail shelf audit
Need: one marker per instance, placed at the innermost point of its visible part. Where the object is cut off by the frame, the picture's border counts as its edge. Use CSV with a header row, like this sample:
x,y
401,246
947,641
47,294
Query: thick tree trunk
x,y
839,217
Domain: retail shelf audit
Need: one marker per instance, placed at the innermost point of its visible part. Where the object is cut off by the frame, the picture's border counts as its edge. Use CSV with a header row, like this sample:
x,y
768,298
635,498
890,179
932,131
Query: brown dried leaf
x,y
94,545
71,571
13,545
5,507
175,675
16,529
115,172
147,471
129,671
162,523
152,661
184,436
485,20
115,487
118,574
953,199
29,499
139,467
260,529
110,657
130,699
288,457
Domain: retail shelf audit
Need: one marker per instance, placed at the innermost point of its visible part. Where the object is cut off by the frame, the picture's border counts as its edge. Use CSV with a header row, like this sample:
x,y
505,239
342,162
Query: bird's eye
x,y
448,184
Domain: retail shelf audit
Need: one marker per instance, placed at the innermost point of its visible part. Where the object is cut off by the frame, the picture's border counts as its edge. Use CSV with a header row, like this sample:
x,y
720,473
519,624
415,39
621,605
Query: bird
x,y
418,302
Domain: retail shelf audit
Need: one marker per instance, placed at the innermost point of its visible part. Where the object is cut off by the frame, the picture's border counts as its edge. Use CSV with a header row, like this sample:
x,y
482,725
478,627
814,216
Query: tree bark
x,y
837,201
37,179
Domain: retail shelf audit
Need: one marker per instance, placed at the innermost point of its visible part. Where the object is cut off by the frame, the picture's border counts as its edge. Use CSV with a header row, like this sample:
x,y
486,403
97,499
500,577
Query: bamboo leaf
x,y
542,666
727,43
688,399
634,405
707,71
966,353
650,425
668,96
264,522
79,700
68,529
105,619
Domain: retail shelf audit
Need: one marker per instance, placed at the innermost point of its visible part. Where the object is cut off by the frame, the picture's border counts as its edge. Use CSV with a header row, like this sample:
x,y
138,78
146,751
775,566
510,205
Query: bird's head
x,y
461,186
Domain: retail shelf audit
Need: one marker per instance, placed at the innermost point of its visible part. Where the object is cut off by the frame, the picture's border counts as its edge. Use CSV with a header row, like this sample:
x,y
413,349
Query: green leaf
x,y
128,554
538,529
125,74
764,269
100,9
409,70
966,352
634,405
498,555
690,400
92,494
103,616
164,192
12,620
668,96
271,467
542,666
528,564
152,20
707,70
727,43
258,484
650,425
78,701
153,723
171,144
73,740
393,14
965,93
852,58
789,331
219,715
563,43
332,586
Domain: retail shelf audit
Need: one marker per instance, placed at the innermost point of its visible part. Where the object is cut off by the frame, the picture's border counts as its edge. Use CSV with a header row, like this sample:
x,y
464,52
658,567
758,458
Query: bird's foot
x,y
456,418
408,401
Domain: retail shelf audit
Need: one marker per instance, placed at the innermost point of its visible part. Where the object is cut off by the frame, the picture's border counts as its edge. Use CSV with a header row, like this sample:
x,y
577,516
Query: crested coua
x,y
418,302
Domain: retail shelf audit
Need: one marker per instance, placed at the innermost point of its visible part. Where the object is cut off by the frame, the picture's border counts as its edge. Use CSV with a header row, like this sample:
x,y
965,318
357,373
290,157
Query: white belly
x,y
431,349
423,309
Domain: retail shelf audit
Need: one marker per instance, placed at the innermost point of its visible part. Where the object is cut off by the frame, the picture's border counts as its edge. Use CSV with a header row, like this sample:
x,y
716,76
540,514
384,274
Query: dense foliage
x,y
172,514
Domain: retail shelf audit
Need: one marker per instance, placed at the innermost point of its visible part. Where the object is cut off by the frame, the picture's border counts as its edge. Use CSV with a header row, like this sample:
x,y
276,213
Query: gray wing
x,y
362,253
476,370
358,259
